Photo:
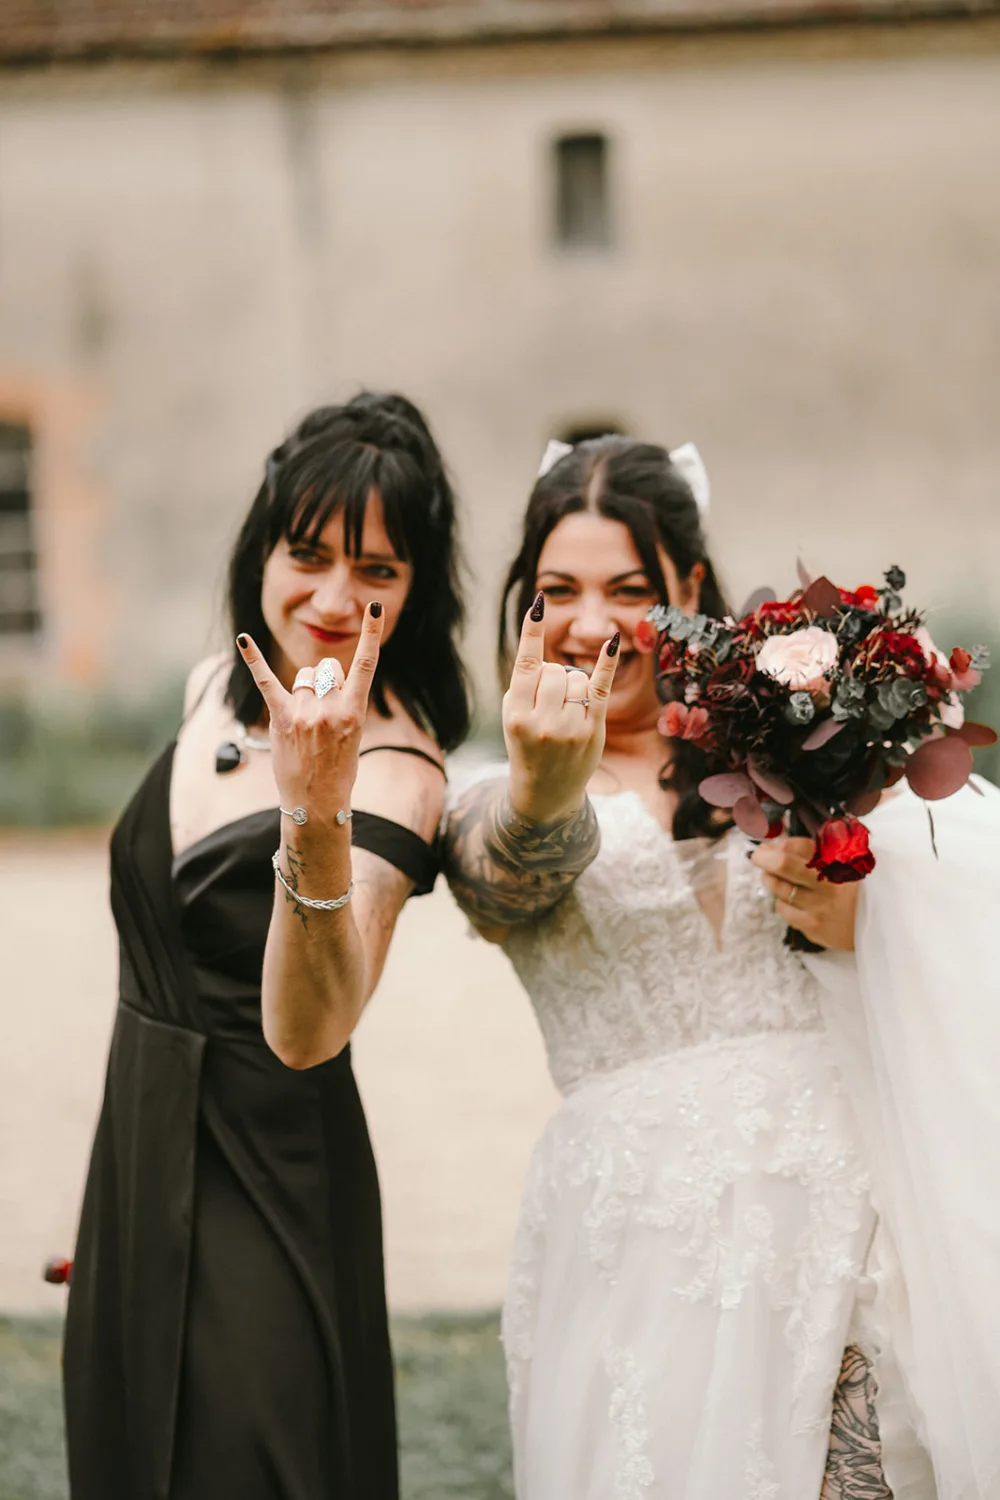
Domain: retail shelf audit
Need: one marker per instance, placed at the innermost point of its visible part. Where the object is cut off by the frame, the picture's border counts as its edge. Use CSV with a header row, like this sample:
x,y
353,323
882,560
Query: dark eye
x,y
308,557
380,572
558,591
636,591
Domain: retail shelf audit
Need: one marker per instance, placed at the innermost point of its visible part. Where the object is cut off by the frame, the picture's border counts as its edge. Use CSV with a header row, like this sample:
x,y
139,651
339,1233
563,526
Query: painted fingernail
x,y
375,609
538,608
614,643
241,641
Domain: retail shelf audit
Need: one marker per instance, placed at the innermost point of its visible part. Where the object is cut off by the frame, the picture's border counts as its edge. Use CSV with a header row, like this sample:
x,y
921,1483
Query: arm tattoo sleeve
x,y
854,1460
504,869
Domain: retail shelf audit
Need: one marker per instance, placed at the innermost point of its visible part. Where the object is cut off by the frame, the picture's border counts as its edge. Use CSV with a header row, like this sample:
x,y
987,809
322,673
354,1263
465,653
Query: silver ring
x,y
791,899
304,679
325,679
584,701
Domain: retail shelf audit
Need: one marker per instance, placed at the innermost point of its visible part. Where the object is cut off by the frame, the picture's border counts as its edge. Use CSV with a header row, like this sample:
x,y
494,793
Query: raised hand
x,y
316,728
553,724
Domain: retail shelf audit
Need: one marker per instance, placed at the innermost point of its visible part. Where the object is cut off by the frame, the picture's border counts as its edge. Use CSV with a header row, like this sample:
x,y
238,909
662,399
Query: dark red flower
x,y
904,650
960,661
842,851
769,617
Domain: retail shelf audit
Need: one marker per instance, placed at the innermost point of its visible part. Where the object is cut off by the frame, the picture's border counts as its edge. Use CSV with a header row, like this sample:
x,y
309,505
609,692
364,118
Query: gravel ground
x,y
452,1410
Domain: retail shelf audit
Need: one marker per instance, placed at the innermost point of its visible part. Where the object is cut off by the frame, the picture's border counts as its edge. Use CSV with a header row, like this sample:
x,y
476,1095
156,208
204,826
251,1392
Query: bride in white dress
x,y
690,1313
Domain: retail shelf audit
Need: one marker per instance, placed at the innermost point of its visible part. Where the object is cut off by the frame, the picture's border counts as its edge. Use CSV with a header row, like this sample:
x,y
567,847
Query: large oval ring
x,y
304,679
325,679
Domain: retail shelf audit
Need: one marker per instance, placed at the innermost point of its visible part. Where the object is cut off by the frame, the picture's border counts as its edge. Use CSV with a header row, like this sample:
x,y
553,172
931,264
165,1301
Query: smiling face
x,y
595,584
314,594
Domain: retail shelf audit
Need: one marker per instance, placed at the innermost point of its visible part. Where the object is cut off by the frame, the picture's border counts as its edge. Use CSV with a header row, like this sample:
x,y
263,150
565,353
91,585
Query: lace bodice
x,y
630,965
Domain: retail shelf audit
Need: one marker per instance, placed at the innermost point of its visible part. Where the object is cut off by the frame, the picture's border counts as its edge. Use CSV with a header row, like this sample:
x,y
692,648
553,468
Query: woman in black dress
x,y
226,1333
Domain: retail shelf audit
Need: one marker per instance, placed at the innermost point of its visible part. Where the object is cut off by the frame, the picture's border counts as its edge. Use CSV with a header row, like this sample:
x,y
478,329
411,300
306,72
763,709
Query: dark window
x,y
583,218
19,611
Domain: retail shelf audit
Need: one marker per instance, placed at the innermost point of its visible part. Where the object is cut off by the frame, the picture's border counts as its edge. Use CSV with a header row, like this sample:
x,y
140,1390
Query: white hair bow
x,y
686,460
691,467
553,453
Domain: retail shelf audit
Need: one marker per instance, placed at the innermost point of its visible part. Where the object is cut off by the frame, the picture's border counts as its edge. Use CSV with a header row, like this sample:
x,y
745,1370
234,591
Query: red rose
x,y
770,617
842,852
864,597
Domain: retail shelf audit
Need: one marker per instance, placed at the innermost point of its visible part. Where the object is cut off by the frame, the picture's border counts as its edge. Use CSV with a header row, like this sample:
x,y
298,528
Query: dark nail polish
x,y
614,643
241,640
538,608
375,609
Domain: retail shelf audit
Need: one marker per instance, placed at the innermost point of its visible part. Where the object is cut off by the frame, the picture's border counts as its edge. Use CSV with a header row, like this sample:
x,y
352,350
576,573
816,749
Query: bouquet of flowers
x,y
810,707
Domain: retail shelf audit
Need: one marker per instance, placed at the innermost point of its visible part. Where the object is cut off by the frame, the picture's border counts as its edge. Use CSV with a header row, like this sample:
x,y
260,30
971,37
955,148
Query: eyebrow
x,y
618,578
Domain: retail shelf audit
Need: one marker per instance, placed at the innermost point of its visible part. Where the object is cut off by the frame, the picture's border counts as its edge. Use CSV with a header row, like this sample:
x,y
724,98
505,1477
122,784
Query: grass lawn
x,y
452,1409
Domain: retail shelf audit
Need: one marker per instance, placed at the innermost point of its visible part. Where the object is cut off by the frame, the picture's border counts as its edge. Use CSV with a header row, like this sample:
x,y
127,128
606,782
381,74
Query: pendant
x,y
228,757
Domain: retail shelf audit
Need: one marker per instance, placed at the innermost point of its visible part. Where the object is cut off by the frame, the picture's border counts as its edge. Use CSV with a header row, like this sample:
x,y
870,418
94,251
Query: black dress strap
x,y
402,847
406,750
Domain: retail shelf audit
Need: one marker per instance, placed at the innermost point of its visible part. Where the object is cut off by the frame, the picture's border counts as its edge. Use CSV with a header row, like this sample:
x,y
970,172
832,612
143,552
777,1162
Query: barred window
x,y
582,210
19,609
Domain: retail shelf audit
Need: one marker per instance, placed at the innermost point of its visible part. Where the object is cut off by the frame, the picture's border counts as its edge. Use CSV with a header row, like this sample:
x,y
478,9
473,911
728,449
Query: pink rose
x,y
798,659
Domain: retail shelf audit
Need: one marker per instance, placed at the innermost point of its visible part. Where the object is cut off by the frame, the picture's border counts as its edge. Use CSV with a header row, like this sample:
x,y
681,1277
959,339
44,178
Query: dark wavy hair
x,y
333,461
634,483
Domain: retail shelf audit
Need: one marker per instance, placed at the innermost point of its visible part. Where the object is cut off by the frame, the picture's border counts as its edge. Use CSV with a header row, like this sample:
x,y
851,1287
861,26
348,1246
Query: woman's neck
x,y
637,737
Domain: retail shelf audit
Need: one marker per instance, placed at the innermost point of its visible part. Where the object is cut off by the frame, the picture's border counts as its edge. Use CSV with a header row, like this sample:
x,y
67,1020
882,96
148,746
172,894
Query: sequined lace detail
x,y
628,966
629,1418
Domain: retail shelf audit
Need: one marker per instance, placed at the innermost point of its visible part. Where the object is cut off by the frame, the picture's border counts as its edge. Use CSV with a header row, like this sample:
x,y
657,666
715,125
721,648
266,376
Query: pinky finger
x,y
603,676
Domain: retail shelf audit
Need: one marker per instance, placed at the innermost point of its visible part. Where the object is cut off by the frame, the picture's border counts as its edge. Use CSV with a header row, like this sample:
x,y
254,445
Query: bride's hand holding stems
x,y
553,724
820,910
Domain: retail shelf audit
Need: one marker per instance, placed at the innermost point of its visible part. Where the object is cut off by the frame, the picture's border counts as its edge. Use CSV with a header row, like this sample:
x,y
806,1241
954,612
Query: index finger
x,y
271,690
358,683
530,656
602,677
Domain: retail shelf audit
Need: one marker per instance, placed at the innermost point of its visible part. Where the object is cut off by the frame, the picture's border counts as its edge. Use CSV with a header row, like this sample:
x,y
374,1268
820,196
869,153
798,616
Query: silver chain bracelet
x,y
332,904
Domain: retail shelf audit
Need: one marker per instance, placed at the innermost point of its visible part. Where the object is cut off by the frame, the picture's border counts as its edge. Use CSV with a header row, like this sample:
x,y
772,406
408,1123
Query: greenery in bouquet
x,y
810,707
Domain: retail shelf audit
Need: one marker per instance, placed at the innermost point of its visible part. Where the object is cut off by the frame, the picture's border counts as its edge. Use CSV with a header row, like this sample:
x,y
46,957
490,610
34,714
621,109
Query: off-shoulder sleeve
x,y
400,846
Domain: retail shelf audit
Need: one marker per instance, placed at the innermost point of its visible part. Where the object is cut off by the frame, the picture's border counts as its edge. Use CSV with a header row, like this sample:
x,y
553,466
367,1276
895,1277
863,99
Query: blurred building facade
x,y
685,219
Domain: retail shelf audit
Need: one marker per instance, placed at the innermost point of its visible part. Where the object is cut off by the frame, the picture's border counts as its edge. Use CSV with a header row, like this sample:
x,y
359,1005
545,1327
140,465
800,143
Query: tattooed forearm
x,y
504,869
854,1461
296,869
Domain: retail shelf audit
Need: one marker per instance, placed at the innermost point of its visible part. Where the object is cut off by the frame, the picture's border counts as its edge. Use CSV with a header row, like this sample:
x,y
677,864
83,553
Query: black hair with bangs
x,y
635,483
332,462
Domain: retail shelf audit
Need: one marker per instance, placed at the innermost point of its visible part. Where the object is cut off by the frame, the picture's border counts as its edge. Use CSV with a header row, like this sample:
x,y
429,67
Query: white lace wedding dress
x,y
697,1216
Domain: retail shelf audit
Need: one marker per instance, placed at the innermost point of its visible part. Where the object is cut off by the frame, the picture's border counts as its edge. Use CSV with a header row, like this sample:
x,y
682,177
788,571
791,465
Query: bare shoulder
x,y
396,783
201,676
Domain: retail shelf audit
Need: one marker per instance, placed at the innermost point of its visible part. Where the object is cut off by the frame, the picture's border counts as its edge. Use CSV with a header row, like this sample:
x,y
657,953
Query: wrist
x,y
540,812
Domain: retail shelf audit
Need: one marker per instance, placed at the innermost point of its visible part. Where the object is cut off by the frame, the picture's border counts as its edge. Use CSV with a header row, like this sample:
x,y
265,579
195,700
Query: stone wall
x,y
804,279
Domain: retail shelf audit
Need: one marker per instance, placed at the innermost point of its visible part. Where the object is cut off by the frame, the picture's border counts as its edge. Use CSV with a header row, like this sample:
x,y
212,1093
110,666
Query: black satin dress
x,y
226,1336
